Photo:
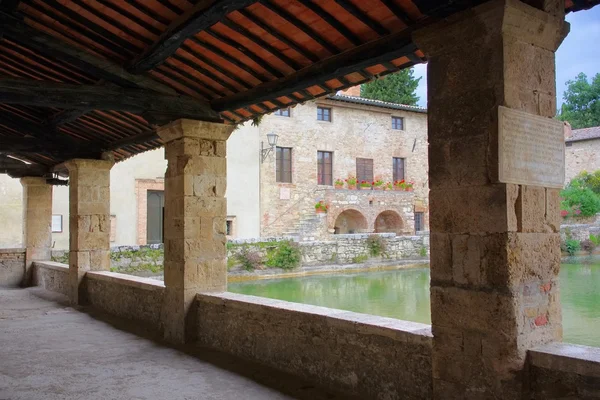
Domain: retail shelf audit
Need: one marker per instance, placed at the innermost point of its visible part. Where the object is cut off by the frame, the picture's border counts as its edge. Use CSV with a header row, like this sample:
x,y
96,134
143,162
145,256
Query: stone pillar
x,y
89,221
37,221
195,215
495,252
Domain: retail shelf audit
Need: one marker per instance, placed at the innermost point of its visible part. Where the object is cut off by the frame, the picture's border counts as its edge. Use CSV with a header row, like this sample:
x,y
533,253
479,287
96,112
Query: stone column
x,y
495,252
89,221
195,215
37,221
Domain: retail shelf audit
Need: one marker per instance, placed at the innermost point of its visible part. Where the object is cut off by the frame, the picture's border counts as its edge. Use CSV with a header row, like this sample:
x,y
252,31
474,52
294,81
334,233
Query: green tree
x,y
398,87
582,102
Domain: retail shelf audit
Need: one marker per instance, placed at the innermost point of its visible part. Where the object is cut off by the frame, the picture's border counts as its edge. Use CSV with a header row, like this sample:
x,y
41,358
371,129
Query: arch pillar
x,y
495,252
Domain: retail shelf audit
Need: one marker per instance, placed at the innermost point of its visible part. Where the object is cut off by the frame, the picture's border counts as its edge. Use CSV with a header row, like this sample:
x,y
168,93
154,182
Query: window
x,y
324,167
398,123
364,169
569,144
398,169
419,221
284,112
230,226
284,164
324,114
57,223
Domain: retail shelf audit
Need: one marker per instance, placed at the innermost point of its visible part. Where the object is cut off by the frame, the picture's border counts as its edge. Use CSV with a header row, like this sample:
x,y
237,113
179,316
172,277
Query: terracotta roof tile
x,y
585,134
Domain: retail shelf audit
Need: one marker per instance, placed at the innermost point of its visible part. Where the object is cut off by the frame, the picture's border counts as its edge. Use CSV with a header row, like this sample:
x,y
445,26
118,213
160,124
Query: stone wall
x,y
371,357
356,131
12,267
580,156
564,371
341,249
51,276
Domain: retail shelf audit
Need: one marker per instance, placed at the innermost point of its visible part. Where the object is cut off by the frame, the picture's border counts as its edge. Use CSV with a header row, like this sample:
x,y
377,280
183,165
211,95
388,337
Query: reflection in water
x,y
397,294
404,294
580,298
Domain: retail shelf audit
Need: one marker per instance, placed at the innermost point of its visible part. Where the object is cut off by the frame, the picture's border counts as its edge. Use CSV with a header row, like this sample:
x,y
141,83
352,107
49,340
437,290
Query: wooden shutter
x,y
364,169
324,168
283,165
398,169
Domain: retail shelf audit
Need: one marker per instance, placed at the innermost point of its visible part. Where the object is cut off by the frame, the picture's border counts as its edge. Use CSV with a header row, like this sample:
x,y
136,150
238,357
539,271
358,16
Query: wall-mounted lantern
x,y
264,152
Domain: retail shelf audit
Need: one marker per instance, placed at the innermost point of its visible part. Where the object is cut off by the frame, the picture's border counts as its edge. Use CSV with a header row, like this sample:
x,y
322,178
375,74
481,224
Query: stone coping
x,y
566,357
402,331
127,280
13,250
52,265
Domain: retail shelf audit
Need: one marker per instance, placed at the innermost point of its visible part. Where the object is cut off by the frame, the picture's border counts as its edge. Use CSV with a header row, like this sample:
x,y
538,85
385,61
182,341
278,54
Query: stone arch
x,y
350,221
389,221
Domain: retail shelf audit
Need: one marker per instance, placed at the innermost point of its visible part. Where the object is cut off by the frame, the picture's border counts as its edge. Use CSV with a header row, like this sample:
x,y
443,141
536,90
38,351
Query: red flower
x,y
564,213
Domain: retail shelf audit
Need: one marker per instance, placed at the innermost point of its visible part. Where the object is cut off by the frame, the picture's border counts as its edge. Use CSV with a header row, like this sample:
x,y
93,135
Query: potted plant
x,y
339,184
321,207
408,186
351,182
364,185
378,184
388,186
399,185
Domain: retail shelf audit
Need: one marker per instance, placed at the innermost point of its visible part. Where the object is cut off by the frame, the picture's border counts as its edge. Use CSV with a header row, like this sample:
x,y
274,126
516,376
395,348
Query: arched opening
x,y
350,221
389,221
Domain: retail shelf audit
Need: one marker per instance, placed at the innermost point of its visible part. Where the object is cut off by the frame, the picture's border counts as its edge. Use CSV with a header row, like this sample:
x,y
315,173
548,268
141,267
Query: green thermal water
x,y
404,294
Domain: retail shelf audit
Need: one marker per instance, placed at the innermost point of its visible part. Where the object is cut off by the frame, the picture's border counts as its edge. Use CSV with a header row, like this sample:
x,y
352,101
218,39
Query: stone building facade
x,y
582,151
357,128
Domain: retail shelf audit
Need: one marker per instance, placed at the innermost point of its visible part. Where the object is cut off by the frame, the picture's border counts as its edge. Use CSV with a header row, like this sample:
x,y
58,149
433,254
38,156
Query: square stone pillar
x,y
495,253
195,215
37,222
89,221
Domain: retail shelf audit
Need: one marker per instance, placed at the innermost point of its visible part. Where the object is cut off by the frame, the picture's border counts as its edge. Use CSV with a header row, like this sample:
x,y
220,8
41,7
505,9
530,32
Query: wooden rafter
x,y
51,47
382,50
362,17
200,17
332,21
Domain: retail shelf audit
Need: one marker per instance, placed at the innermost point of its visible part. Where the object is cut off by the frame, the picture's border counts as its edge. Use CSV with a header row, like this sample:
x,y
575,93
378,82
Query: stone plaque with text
x,y
531,149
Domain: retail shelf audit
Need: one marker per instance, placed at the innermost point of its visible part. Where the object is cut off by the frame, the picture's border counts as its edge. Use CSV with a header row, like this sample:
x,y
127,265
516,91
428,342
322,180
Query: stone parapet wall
x,y
564,371
369,356
12,267
52,276
129,297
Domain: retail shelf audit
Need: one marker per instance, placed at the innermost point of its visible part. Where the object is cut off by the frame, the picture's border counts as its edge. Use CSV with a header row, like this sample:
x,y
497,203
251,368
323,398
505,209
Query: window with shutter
x,y
364,169
283,164
398,169
324,167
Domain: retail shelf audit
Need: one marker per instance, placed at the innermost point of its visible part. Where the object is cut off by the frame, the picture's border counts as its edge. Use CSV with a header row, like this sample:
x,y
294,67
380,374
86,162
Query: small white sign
x,y
57,225
285,193
531,149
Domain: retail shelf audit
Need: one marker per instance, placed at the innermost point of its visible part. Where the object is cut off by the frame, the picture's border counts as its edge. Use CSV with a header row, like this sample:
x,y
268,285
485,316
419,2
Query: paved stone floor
x,y
49,350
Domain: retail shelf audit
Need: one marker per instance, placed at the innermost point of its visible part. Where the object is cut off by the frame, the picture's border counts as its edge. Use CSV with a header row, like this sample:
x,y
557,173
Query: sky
x,y
579,52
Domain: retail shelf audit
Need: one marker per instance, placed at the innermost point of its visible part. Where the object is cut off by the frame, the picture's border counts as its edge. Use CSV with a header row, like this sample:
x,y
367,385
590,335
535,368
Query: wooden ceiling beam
x,y
86,97
362,17
200,17
300,25
382,50
9,6
332,21
398,12
101,68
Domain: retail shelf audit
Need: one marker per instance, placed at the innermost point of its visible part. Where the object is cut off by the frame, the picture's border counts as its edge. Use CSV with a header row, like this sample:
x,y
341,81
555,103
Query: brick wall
x,y
12,267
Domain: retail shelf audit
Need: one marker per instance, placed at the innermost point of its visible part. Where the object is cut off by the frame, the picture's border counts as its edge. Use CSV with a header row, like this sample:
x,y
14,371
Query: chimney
x,y
351,91
567,130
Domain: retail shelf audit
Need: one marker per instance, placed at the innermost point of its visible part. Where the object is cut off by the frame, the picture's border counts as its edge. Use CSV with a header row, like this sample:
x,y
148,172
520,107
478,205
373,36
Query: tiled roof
x,y
376,103
584,134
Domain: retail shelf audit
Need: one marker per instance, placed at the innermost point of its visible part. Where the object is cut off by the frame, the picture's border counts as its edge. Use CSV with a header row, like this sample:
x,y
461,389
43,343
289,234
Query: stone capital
x,y
33,181
82,163
472,28
189,128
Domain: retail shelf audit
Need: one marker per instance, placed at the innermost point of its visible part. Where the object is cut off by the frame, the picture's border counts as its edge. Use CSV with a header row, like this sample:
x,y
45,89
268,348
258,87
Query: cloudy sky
x,y
580,52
